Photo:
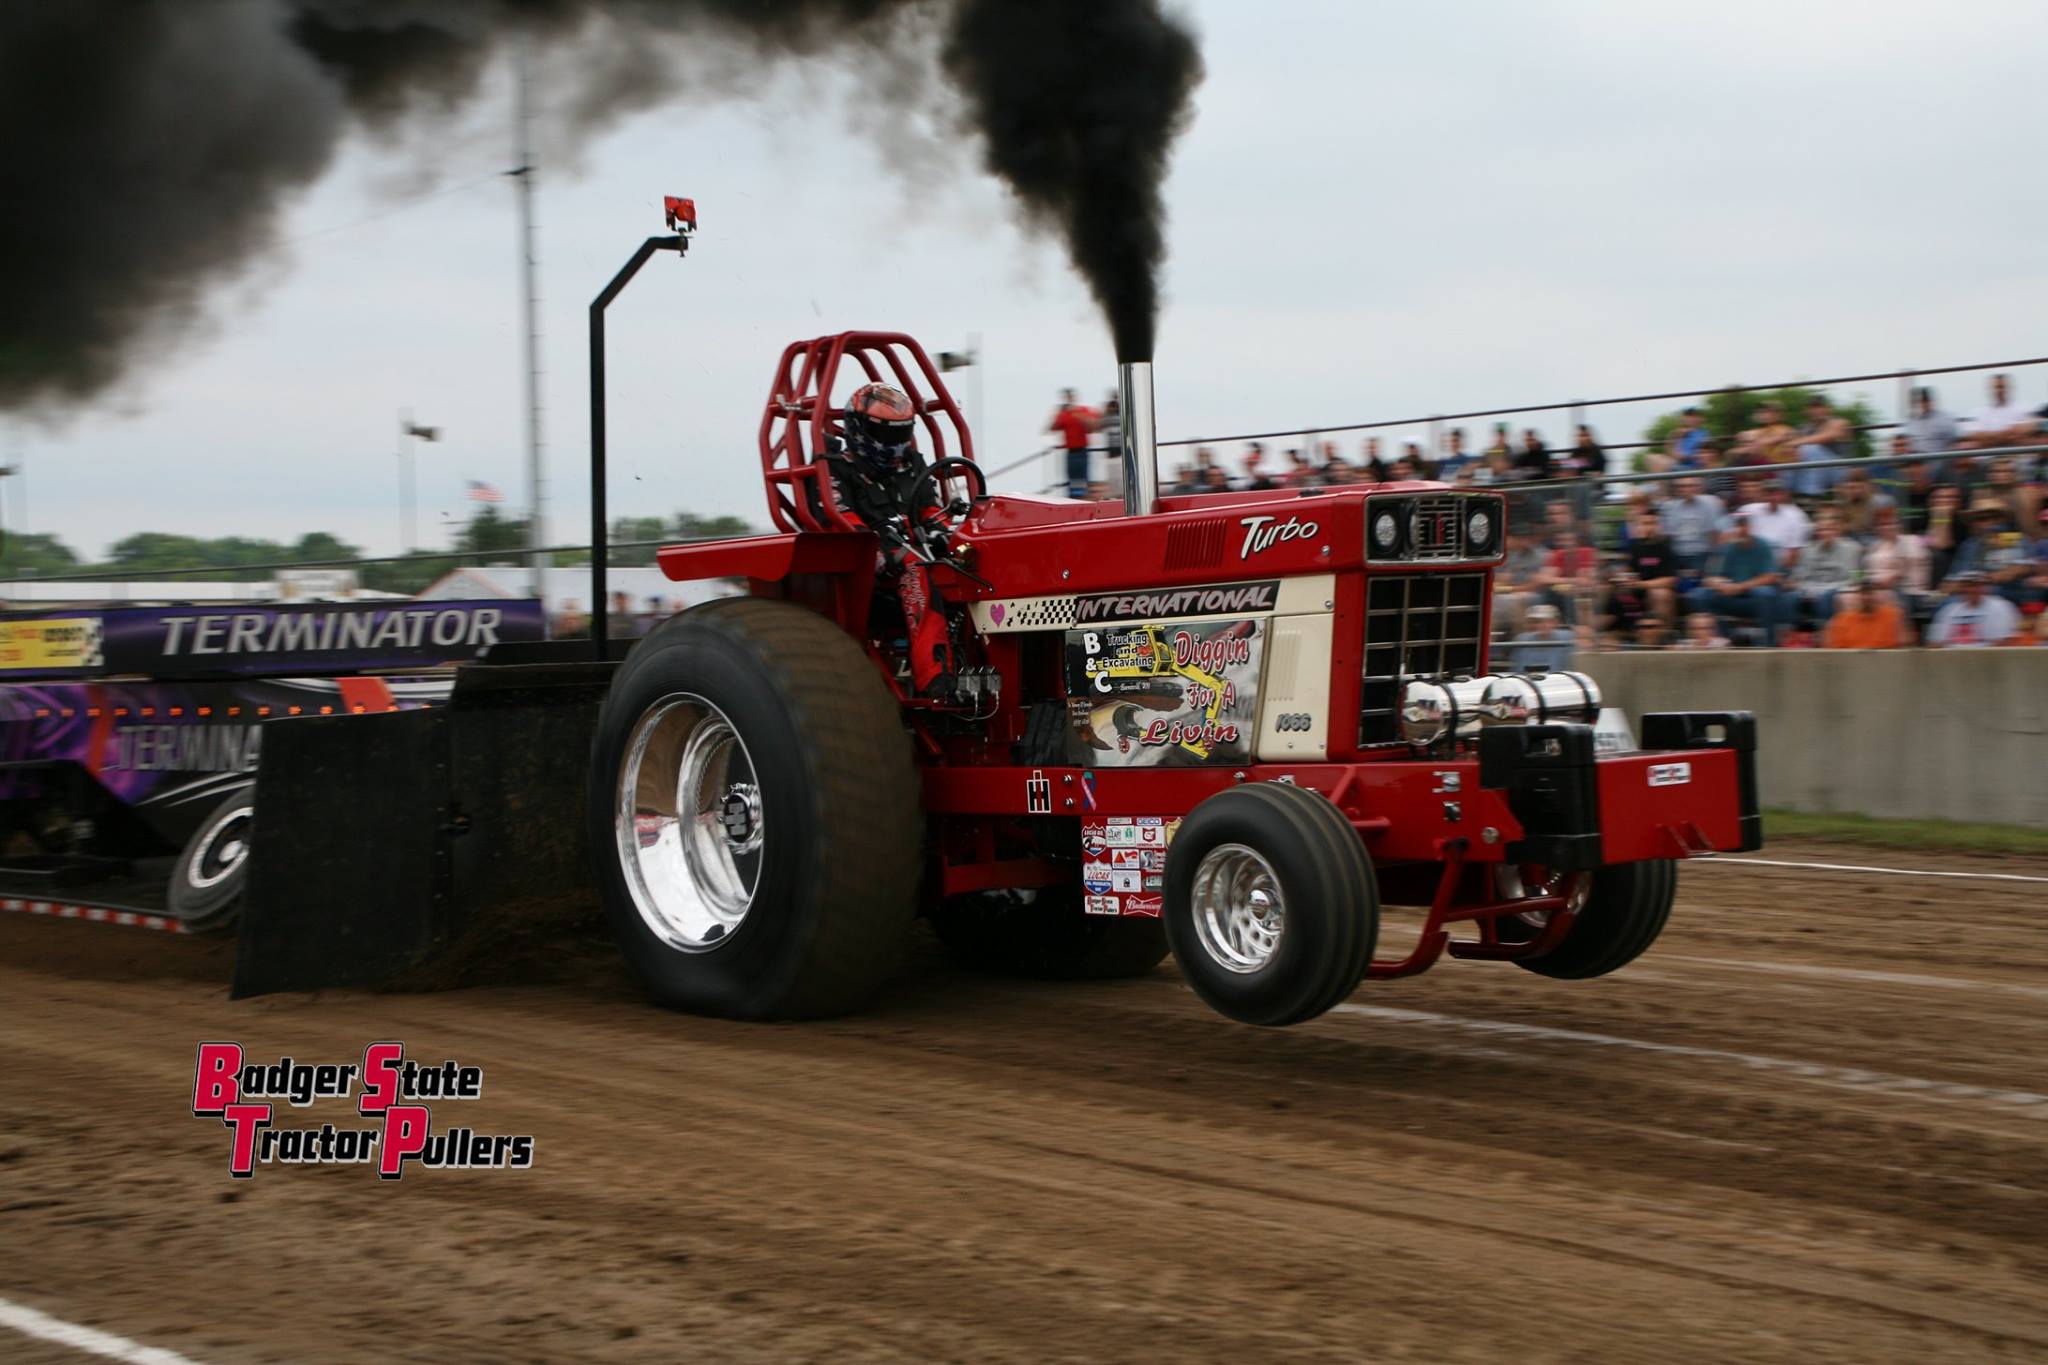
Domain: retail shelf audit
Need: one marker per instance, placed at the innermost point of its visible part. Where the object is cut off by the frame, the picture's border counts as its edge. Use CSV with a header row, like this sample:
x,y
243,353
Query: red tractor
x,y
1075,735
1080,735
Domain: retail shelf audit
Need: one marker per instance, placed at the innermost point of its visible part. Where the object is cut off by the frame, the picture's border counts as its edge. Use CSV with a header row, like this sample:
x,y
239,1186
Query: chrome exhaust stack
x,y
1141,438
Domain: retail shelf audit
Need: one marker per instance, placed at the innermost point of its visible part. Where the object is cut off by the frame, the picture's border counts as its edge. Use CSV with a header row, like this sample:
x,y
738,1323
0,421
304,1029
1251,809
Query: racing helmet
x,y
880,424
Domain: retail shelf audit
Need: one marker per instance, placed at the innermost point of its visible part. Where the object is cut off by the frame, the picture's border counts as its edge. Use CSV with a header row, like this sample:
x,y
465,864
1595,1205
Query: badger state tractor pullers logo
x,y
239,1094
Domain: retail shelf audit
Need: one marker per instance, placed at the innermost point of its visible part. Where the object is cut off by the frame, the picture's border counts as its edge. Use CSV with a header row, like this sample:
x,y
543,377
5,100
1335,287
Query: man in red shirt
x,y
1571,574
1074,424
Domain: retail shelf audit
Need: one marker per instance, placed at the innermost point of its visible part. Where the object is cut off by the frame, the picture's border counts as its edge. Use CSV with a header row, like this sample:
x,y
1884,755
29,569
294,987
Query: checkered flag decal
x,y
1025,613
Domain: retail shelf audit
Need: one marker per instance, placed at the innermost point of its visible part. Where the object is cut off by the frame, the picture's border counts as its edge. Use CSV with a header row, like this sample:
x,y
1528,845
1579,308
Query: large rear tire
x,y
1626,908
1048,936
755,816
1271,904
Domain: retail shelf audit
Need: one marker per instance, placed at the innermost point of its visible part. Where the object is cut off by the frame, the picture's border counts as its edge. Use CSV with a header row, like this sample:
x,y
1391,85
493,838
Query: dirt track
x,y
1769,1165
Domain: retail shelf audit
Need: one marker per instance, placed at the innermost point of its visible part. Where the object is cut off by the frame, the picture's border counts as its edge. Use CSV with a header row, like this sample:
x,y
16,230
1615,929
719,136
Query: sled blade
x,y
401,849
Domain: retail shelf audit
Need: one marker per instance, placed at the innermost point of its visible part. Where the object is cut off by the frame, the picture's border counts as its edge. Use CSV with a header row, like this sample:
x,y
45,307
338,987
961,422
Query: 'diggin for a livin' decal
x,y
1164,694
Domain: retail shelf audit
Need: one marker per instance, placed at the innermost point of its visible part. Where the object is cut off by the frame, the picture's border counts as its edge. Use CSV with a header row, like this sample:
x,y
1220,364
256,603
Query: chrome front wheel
x,y
1239,911
1526,881
1270,902
690,823
1621,910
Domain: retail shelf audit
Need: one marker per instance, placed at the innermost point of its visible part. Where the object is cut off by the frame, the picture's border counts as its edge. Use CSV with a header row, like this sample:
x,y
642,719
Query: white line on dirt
x,y
1823,1073
1851,867
1955,983
29,1322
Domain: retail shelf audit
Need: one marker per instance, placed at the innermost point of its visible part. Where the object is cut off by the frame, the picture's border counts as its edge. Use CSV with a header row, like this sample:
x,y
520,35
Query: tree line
x,y
488,536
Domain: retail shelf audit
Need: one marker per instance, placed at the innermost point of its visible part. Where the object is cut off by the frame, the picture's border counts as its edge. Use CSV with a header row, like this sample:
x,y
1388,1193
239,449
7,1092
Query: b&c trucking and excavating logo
x,y
401,1127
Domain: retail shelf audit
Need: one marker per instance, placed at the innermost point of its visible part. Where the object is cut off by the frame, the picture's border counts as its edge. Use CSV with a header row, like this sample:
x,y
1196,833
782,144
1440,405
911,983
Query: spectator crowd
x,y
1748,542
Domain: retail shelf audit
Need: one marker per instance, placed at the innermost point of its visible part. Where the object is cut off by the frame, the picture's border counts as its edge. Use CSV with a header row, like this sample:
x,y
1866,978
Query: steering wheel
x,y
951,465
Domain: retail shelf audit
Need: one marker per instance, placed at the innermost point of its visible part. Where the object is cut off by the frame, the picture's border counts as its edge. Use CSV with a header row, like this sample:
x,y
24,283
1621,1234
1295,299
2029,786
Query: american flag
x,y
479,491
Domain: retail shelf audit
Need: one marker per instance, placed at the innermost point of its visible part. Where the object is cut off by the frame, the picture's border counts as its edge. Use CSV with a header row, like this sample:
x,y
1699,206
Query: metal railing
x,y
1576,408
1864,462
1906,377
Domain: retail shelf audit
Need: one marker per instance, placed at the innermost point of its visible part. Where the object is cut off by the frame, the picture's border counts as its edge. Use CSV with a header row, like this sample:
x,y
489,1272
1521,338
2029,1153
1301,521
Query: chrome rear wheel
x,y
756,821
690,823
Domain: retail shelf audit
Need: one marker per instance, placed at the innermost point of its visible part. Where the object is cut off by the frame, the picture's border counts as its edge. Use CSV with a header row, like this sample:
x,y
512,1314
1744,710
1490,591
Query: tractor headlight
x,y
1386,531
1479,532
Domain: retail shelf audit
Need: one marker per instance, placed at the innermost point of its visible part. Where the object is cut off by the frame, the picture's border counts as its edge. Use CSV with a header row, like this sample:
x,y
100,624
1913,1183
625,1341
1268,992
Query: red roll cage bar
x,y
801,416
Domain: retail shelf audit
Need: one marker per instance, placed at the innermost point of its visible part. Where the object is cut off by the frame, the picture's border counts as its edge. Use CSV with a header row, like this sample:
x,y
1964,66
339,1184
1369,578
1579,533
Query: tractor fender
x,y
770,559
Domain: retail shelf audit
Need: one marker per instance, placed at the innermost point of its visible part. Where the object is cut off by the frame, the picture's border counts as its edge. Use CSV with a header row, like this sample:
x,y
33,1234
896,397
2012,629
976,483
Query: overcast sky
x,y
1379,210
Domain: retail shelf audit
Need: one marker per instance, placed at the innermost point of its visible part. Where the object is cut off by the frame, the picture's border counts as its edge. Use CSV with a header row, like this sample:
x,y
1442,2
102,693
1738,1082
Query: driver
x,y
877,475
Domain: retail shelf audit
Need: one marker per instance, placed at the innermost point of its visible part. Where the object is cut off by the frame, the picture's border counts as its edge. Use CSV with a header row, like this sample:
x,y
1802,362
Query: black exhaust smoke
x,y
148,146
1079,104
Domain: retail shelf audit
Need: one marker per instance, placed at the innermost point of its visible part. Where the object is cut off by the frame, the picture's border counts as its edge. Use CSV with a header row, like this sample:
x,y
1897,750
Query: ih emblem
x,y
1038,793
1436,530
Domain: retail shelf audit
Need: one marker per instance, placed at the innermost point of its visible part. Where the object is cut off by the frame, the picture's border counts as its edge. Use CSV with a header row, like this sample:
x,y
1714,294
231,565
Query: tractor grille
x,y
1416,626
1437,528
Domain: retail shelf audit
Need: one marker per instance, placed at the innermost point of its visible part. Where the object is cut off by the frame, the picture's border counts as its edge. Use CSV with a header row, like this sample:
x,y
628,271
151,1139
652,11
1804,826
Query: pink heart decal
x,y
996,613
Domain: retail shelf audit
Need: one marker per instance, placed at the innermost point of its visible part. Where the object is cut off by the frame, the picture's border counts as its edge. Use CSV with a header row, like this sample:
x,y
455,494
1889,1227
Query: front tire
x,y
755,815
1626,908
1048,937
1271,904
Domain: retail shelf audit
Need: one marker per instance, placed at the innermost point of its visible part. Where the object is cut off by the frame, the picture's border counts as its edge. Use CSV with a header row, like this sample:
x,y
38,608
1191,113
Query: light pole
x,y
21,512
523,177
408,432
682,222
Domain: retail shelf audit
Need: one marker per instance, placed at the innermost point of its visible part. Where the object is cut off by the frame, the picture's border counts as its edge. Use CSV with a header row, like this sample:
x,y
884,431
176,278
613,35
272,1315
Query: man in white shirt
x,y
2004,422
1973,618
1780,521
